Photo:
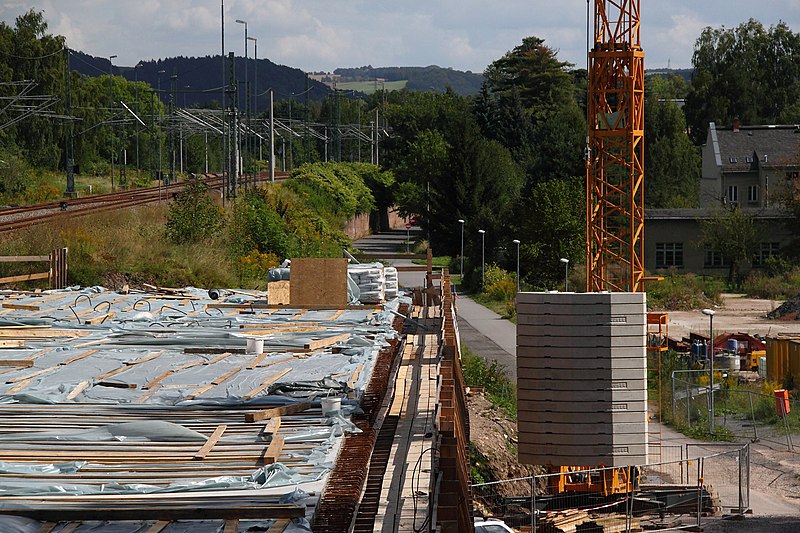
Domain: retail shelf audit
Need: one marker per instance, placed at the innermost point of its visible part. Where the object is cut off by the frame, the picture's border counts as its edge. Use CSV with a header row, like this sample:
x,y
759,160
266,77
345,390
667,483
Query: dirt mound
x,y
790,310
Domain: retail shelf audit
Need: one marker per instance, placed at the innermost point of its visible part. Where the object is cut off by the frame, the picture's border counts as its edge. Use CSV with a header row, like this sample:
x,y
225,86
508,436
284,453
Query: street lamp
x,y
710,314
111,106
516,241
483,258
566,273
461,270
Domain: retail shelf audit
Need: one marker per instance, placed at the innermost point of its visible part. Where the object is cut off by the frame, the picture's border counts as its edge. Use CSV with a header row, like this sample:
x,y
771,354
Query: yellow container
x,y
754,355
778,358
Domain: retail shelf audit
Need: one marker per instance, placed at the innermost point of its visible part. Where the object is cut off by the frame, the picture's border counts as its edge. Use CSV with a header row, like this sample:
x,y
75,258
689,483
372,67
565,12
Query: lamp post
x,y
461,269
247,154
566,273
111,107
516,241
710,314
483,258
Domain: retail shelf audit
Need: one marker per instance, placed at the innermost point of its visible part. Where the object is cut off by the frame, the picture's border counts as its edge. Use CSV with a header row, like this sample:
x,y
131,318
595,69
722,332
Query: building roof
x,y
705,213
752,147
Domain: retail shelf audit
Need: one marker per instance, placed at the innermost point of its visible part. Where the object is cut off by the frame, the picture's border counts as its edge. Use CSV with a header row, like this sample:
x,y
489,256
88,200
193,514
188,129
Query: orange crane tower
x,y
615,150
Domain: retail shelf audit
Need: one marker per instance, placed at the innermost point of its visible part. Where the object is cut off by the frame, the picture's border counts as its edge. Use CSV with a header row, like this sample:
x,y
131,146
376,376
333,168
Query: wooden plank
x,y
257,361
25,277
149,511
100,319
279,526
21,307
77,390
159,526
272,427
267,383
69,528
356,373
78,357
322,343
23,258
12,343
212,440
318,280
336,315
231,526
223,378
47,527
273,451
310,307
23,363
19,386
289,409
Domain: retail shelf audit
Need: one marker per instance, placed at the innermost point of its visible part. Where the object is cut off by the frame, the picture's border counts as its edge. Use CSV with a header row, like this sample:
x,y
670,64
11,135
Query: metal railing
x,y
664,496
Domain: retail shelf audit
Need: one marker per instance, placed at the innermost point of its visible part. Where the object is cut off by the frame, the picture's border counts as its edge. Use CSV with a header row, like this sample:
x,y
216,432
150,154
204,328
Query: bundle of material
x,y
392,287
371,282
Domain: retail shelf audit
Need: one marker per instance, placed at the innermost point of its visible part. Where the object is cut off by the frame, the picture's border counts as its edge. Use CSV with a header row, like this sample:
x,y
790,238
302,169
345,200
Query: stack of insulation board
x,y
392,286
370,281
582,379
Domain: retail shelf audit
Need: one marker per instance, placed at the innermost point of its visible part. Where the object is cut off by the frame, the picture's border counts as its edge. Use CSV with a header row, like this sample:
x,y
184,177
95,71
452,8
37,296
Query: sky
x,y
322,35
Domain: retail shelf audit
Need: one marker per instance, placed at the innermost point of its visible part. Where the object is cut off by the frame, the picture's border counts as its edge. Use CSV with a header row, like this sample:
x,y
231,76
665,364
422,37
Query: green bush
x,y
193,216
335,188
499,390
501,285
684,292
779,281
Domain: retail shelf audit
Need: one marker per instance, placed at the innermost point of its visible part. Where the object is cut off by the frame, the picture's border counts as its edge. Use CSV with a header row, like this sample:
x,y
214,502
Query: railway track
x,y
16,218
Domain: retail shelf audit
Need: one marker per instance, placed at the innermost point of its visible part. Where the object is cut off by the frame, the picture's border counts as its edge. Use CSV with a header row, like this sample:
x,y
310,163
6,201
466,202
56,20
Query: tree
x,y
532,69
747,72
551,225
735,235
672,162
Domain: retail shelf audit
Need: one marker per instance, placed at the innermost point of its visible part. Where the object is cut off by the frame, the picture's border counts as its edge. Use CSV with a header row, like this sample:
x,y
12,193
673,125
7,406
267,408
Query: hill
x,y
430,78
199,78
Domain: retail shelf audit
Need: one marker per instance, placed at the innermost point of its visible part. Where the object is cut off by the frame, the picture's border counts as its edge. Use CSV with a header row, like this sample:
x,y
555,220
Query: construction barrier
x,y
666,496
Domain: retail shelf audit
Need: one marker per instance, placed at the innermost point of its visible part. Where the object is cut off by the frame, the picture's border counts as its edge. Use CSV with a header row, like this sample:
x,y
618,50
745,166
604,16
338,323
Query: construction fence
x,y
664,496
737,412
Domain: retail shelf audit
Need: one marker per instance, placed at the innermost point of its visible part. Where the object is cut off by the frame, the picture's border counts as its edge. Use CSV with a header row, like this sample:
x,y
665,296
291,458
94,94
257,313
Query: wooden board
x,y
278,292
319,281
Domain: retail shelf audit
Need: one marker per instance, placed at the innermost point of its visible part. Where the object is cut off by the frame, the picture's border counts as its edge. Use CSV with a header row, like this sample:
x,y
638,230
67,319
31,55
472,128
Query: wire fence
x,y
729,411
659,496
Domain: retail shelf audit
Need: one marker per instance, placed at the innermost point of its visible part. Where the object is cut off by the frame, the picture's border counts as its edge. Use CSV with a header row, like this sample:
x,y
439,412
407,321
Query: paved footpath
x,y
483,331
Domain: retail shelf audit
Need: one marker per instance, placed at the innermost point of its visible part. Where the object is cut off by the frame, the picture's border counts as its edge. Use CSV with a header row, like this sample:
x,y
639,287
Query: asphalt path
x,y
481,330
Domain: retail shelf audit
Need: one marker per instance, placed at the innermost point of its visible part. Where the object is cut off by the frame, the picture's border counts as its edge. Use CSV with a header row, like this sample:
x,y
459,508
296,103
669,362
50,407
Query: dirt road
x,y
737,314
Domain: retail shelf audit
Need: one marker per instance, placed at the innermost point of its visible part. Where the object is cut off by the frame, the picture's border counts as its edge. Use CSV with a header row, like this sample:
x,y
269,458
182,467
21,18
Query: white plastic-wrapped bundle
x,y
370,281
392,287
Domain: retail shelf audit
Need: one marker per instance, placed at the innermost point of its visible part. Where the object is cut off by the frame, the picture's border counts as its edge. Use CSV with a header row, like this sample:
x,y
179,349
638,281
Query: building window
x,y
752,194
733,194
765,249
669,254
732,159
715,259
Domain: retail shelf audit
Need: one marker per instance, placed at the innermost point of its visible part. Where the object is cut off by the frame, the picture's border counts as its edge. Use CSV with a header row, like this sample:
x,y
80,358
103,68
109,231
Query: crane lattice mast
x,y
615,150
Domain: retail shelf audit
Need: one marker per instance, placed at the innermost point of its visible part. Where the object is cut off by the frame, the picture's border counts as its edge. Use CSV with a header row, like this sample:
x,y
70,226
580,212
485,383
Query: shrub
x,y
193,216
684,292
500,284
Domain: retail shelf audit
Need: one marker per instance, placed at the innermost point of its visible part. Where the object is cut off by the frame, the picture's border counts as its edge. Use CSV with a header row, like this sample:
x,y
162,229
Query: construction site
x,y
335,400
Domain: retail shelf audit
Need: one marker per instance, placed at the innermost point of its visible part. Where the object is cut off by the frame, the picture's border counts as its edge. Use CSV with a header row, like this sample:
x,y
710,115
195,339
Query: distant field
x,y
368,87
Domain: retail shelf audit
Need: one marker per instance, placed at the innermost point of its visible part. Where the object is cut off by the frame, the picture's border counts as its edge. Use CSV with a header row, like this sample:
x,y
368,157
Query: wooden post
x,y
58,268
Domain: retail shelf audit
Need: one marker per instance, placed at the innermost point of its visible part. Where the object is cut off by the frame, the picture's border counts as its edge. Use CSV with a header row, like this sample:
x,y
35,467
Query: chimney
x,y
736,124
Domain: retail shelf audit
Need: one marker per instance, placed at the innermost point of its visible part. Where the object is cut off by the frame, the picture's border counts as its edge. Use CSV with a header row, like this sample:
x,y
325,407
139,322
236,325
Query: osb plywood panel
x,y
278,293
318,281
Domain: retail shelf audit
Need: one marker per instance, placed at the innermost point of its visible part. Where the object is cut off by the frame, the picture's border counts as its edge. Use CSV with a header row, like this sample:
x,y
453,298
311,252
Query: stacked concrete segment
x,y
582,378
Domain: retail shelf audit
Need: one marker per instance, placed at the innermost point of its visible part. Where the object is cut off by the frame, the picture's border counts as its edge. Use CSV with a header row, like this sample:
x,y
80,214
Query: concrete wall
x,y
582,379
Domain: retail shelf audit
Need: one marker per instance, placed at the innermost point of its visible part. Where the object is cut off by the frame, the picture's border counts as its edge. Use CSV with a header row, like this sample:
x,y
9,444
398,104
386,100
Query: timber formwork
x,y
615,151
